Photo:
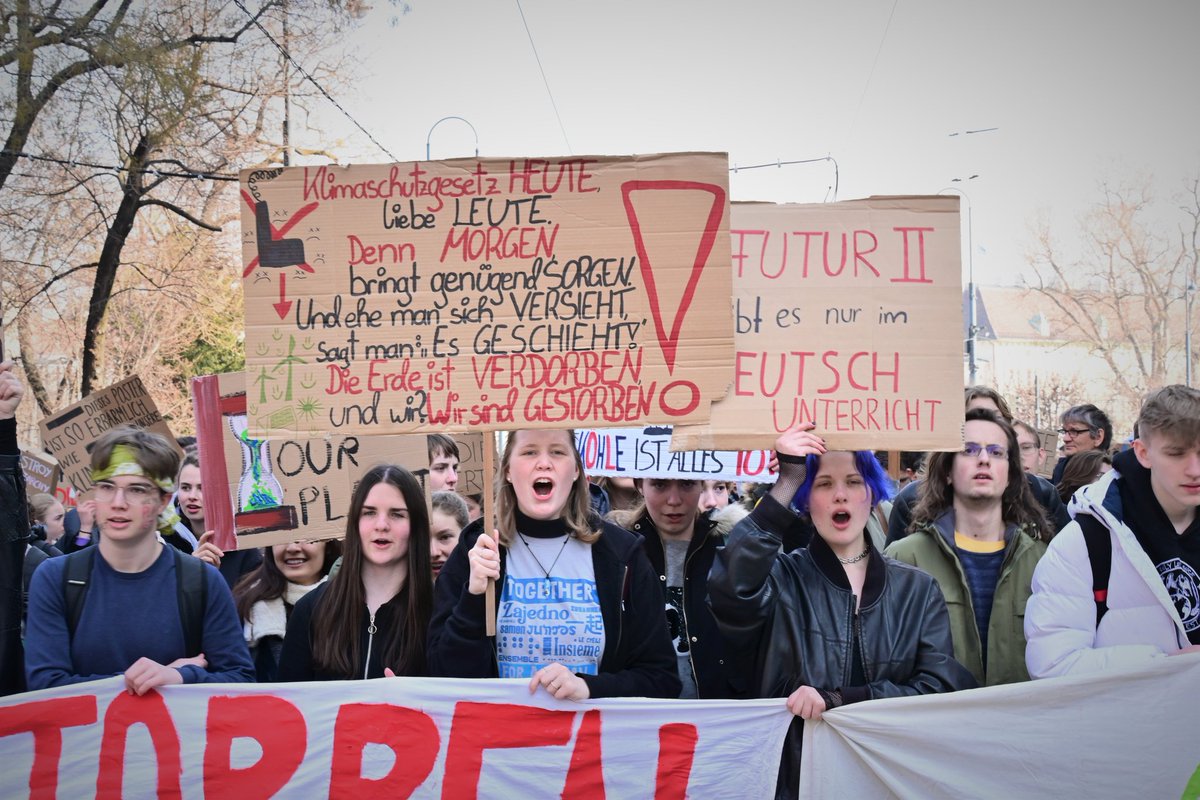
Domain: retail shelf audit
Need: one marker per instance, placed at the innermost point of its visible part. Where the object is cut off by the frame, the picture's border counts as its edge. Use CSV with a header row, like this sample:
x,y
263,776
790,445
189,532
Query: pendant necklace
x,y
538,561
851,559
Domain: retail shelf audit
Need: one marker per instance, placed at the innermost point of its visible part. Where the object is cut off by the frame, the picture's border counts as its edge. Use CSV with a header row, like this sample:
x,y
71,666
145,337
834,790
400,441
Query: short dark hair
x,y
877,481
441,444
1096,420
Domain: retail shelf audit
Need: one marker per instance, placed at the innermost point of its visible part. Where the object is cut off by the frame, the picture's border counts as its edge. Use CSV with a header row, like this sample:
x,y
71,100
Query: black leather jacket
x,y
796,612
14,533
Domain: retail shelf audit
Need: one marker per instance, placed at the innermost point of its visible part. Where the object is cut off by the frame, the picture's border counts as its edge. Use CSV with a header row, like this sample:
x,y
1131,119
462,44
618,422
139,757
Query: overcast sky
x,y
1079,92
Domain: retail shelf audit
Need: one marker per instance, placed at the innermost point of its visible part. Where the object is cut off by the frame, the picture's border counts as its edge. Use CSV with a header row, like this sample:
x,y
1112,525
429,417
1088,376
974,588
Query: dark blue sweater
x,y
128,615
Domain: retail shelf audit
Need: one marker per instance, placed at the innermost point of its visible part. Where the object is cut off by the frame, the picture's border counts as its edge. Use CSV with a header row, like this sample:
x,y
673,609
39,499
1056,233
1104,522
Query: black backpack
x,y
1099,548
190,586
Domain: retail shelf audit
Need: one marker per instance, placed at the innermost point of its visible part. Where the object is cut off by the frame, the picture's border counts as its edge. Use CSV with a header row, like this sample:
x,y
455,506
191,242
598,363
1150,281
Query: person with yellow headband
x,y
131,569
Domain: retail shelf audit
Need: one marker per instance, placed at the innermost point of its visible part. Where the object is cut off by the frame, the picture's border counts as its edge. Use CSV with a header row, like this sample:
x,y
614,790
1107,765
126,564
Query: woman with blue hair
x,y
834,622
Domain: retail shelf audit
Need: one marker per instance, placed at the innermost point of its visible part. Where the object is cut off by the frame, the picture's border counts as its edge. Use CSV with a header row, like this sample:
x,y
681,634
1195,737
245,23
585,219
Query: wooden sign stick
x,y
489,522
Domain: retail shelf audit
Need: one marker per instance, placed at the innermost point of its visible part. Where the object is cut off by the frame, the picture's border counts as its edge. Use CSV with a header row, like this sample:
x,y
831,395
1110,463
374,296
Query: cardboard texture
x,y
484,294
41,473
281,490
646,453
1050,447
847,316
470,461
70,433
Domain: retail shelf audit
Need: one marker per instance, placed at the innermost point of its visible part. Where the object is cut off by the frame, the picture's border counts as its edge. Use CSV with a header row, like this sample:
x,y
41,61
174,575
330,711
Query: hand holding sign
x,y
484,558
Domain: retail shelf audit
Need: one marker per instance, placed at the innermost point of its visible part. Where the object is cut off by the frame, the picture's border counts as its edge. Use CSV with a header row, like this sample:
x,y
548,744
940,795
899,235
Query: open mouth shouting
x,y
543,488
841,519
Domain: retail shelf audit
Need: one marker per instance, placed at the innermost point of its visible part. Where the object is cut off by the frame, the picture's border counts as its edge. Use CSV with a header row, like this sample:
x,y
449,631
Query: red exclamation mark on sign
x,y
669,340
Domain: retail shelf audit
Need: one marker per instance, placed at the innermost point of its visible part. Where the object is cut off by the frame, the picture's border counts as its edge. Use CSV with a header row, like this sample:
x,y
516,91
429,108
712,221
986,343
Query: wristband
x,y
788,458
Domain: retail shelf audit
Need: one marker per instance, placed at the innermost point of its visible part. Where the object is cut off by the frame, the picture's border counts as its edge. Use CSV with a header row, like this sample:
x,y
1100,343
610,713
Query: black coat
x,y
14,533
638,659
795,611
714,672
295,660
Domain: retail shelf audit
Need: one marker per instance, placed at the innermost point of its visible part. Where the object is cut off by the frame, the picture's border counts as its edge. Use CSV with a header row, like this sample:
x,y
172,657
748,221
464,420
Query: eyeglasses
x,y
1071,433
973,449
141,493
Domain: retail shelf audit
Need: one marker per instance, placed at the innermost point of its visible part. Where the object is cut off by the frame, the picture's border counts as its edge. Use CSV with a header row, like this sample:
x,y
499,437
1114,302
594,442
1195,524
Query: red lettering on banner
x,y
487,726
150,710
676,750
278,727
45,719
410,734
585,777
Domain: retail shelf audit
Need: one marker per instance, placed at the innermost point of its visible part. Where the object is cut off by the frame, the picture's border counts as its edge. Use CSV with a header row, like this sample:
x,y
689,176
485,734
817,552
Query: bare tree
x,y
1124,296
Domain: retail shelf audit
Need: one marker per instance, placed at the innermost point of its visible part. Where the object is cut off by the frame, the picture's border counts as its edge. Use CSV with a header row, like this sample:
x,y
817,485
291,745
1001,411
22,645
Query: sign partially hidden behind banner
x,y
70,433
281,490
402,737
848,316
41,473
646,453
486,294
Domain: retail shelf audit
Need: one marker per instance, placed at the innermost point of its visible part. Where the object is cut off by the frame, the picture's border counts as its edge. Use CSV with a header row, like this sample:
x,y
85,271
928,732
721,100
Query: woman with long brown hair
x,y
369,619
579,612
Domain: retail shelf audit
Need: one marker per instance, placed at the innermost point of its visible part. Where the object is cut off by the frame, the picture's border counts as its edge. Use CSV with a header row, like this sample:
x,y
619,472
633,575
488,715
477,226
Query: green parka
x,y
930,547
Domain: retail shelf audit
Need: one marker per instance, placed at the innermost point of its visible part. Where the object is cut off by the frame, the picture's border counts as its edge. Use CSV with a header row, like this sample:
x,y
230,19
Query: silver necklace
x,y
852,559
538,561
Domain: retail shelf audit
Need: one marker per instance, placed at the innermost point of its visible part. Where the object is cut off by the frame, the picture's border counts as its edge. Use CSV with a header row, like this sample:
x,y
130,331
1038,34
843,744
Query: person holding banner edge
x,y
835,622
553,559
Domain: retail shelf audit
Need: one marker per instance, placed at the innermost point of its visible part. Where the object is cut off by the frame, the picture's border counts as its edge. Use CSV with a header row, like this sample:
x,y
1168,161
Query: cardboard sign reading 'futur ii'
x,y
283,490
848,316
70,434
485,294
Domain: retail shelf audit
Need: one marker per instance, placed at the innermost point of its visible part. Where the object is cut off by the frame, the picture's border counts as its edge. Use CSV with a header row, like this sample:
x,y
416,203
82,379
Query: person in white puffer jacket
x,y
1147,507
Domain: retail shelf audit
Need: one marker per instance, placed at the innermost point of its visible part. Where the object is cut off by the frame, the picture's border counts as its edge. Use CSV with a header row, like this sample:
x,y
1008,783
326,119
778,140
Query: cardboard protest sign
x,y
70,433
41,473
849,316
1049,440
646,453
486,294
281,490
470,461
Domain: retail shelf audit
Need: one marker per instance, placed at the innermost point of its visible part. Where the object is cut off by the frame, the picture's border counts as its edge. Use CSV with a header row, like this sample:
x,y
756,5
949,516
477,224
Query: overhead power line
x,y
313,80
195,175
545,80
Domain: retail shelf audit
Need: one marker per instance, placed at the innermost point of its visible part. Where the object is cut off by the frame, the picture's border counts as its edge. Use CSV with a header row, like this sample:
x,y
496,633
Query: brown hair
x,y
335,627
153,452
1018,506
1080,470
40,504
441,444
988,393
1174,412
577,514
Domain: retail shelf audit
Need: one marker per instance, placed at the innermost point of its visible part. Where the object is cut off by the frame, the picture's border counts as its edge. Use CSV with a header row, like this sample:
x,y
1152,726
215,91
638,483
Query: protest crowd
x,y
833,585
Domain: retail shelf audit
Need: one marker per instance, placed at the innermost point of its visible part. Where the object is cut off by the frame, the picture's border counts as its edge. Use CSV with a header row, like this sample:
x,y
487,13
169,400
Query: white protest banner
x,y
848,315
646,453
399,737
1126,733
480,294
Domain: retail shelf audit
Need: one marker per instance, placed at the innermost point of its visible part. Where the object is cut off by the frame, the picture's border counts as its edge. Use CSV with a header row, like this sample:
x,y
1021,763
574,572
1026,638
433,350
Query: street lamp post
x,y
972,327
1188,295
439,122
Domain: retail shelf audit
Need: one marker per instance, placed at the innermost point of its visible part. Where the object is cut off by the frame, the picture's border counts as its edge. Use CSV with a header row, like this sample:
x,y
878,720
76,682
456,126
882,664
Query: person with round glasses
x,y
979,532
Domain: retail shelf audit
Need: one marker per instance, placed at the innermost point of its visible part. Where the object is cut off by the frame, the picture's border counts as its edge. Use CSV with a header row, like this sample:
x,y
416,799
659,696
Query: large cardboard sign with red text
x,y
483,294
70,433
402,737
283,489
849,316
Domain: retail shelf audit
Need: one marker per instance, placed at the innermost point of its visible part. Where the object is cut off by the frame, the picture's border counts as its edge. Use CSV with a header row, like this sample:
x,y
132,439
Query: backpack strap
x,y
191,588
1099,548
76,575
